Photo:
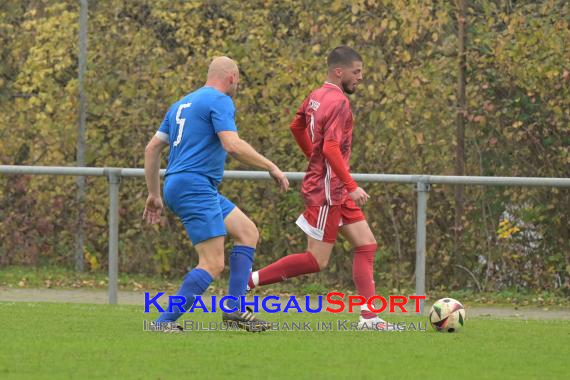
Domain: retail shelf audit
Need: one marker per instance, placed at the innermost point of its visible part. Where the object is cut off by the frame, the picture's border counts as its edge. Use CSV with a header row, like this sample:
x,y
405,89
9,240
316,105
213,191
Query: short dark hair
x,y
343,55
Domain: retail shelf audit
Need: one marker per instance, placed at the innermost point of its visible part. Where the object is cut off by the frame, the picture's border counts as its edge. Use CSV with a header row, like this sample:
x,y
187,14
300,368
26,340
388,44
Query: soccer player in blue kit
x,y
200,130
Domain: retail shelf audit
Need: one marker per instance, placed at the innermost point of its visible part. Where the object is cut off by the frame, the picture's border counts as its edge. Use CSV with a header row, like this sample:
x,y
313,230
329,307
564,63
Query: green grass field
x,y
58,341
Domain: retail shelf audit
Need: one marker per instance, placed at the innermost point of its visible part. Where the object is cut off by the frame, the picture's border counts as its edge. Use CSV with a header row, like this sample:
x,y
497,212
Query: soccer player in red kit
x,y
323,129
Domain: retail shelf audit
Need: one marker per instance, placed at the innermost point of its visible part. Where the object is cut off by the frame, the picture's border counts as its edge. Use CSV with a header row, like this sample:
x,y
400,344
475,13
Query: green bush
x,y
144,55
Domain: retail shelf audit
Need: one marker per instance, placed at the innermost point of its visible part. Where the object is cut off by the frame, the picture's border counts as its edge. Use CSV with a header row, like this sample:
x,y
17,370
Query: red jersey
x,y
326,116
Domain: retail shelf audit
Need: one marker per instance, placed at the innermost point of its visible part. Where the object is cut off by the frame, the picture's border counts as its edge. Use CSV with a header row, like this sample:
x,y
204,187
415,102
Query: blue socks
x,y
241,261
195,283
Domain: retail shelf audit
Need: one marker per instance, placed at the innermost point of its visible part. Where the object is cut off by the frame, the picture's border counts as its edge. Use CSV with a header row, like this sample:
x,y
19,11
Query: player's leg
x,y
312,260
321,226
210,266
245,235
362,239
356,230
194,200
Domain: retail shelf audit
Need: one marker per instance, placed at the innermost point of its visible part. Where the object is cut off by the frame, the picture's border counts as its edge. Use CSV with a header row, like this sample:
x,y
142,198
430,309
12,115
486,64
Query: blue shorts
x,y
194,198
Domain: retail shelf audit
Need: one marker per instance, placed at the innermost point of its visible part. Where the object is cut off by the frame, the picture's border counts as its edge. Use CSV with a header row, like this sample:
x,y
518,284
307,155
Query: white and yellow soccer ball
x,y
447,315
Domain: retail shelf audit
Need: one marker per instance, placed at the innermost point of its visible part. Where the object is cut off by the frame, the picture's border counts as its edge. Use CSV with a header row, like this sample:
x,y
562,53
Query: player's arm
x,y
300,132
333,154
331,151
153,205
152,164
245,153
223,120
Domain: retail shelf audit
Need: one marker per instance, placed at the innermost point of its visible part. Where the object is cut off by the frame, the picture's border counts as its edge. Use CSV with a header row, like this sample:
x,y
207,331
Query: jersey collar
x,y
334,85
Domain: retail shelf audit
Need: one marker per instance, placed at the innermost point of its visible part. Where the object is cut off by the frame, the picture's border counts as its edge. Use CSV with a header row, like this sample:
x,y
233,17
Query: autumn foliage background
x,y
144,55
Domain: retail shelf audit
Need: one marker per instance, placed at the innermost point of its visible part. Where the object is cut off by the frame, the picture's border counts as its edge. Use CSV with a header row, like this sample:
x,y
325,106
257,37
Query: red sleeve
x,y
331,151
299,129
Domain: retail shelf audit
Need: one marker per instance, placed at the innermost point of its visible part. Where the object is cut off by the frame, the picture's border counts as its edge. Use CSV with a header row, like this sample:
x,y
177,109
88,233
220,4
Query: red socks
x,y
284,268
304,263
363,274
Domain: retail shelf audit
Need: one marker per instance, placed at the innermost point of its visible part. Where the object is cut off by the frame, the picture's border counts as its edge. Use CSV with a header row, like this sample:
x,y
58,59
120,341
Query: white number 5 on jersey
x,y
180,122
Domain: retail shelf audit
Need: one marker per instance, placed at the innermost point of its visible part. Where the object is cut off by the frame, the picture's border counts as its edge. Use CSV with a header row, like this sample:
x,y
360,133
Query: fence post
x,y
114,178
422,188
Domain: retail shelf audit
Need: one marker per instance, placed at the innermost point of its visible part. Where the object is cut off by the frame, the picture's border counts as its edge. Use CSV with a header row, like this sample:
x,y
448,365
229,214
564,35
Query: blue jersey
x,y
191,126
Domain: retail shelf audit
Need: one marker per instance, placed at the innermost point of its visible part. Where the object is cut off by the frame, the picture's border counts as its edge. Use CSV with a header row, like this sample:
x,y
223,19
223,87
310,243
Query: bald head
x,y
221,67
223,74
